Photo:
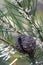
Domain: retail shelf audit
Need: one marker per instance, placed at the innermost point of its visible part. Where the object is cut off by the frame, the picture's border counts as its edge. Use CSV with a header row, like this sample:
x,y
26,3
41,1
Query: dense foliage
x,y
19,17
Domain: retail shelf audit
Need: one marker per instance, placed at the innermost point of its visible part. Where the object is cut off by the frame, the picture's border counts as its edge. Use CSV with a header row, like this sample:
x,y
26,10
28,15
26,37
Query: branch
x,y
21,7
22,11
5,41
9,43
2,20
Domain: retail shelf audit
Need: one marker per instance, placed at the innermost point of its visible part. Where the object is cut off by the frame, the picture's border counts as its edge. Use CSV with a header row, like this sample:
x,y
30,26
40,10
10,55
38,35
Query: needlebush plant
x,y
19,31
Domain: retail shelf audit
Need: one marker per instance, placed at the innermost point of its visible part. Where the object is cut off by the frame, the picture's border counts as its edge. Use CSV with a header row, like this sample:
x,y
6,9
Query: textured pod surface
x,y
26,44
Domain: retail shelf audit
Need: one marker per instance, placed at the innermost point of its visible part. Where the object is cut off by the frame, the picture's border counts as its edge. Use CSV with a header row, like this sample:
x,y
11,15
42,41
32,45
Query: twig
x,y
9,43
5,41
13,61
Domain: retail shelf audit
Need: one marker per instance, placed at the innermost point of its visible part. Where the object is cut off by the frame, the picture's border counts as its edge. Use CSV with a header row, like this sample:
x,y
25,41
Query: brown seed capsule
x,y
26,44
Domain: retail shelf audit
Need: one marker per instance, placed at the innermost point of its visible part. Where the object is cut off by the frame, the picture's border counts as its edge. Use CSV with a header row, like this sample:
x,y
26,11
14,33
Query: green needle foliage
x,y
20,17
